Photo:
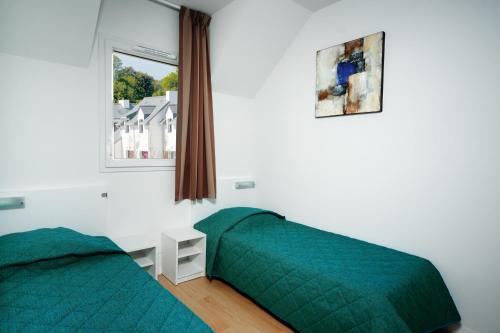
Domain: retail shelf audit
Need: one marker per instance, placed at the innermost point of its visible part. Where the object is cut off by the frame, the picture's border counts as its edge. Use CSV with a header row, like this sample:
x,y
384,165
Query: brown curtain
x,y
195,157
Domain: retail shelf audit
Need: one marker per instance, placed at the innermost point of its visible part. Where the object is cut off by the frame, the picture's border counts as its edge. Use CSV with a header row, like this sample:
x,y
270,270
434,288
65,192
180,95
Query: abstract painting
x,y
349,77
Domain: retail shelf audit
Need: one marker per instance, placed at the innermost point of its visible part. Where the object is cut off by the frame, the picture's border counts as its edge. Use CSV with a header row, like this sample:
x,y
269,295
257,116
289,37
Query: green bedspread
x,y
58,280
318,281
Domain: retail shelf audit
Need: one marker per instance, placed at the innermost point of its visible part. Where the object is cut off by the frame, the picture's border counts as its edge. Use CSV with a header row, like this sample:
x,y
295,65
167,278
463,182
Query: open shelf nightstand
x,y
183,254
143,249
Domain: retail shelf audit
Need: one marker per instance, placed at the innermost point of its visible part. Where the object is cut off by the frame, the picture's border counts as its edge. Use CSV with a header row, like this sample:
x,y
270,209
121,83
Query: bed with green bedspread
x,y
58,280
318,281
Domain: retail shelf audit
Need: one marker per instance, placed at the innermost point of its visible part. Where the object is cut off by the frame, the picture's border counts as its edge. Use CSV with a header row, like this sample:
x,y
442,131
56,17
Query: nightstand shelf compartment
x,y
143,249
187,268
144,262
190,248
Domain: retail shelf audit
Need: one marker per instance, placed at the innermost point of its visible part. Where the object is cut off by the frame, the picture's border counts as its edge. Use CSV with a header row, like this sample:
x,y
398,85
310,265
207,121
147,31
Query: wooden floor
x,y
223,308
226,310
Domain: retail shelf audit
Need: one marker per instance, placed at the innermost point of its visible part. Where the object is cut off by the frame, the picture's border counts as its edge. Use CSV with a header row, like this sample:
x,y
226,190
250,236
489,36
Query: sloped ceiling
x,y
212,6
315,5
248,37
205,6
54,30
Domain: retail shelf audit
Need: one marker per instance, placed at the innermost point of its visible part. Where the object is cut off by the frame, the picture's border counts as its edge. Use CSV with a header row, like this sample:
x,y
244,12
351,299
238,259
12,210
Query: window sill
x,y
136,169
137,166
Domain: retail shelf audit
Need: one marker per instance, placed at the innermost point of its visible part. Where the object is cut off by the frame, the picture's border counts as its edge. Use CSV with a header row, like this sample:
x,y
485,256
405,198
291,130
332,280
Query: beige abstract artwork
x,y
349,77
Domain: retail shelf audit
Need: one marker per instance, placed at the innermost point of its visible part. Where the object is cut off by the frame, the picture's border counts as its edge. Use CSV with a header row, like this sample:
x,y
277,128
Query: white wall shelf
x,y
143,249
183,254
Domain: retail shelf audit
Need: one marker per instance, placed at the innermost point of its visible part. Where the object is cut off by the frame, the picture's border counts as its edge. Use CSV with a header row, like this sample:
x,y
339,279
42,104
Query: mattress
x,y
57,280
316,281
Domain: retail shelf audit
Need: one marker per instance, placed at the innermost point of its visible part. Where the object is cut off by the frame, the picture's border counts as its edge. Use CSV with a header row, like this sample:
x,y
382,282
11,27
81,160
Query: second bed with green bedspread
x,y
58,280
318,281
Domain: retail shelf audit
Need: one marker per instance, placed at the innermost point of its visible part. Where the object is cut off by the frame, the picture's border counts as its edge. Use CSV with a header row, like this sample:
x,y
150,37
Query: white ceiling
x,y
212,6
248,37
206,6
58,30
314,5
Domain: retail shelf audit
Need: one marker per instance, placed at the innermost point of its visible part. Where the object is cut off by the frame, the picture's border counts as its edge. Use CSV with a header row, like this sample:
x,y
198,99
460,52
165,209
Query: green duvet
x,y
318,281
58,280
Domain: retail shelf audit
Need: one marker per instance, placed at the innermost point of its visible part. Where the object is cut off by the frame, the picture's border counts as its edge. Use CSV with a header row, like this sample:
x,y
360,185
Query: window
x,y
139,91
170,128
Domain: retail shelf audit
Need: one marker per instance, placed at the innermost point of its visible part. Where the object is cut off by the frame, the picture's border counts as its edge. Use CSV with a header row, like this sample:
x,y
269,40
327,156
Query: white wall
x,y
234,123
246,43
422,176
235,152
50,125
50,128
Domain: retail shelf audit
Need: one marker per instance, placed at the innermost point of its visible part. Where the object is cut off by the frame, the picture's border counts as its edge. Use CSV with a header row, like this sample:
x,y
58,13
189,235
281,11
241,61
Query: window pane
x,y
144,108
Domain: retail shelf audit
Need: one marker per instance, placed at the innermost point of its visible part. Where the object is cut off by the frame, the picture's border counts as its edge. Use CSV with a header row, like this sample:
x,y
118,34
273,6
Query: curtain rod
x,y
167,4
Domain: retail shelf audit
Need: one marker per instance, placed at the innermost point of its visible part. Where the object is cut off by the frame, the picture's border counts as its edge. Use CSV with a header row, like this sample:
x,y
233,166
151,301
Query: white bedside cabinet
x,y
183,254
143,249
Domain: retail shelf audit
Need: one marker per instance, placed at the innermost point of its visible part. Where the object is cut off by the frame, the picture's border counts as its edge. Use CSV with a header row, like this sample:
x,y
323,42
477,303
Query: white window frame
x,y
106,46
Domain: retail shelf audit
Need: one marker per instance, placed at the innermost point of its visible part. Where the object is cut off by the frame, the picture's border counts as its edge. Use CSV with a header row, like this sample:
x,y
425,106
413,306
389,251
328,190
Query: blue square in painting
x,y
344,70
